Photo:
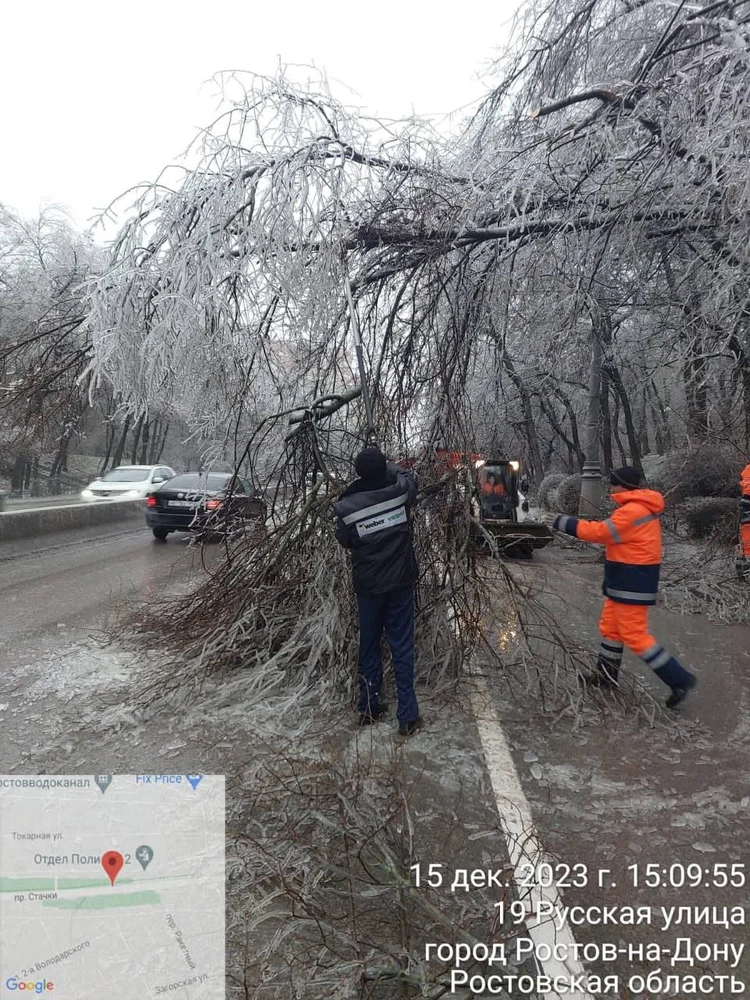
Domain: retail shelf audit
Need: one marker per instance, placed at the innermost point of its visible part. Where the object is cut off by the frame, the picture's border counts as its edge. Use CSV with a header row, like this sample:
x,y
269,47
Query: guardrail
x,y
29,502
46,520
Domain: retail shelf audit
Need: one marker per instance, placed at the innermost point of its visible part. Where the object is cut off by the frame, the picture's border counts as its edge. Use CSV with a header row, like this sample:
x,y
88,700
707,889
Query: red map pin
x,y
112,862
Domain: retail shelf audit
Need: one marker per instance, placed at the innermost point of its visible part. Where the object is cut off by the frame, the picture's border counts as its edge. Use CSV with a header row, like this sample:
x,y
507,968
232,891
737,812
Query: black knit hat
x,y
627,476
370,464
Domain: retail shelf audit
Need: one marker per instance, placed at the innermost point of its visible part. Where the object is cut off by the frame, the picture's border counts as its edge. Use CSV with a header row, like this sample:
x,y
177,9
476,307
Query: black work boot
x,y
409,728
676,677
680,693
605,676
369,718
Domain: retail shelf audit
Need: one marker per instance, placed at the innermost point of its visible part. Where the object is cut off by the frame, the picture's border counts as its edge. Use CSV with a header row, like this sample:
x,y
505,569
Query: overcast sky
x,y
98,96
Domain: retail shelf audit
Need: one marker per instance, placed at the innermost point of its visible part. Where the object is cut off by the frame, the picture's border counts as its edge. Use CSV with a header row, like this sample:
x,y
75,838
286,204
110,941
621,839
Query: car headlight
x,y
86,493
515,466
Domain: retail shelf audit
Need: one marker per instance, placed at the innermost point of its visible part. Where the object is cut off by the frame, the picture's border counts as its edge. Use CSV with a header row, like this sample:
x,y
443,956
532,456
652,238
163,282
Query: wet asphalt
x,y
60,684
617,786
611,787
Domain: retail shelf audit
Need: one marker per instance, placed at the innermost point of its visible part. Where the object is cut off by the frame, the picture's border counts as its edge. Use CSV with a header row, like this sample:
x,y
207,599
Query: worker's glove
x,y
549,518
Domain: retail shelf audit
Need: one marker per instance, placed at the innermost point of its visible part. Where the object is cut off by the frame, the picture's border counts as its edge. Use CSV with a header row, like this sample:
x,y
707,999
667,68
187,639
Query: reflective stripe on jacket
x,y
375,525
632,540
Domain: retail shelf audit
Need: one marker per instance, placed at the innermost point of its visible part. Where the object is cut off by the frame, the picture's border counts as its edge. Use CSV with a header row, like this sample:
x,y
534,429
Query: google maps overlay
x,y
112,885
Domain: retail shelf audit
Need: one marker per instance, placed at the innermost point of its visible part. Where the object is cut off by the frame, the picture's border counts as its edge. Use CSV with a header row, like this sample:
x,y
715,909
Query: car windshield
x,y
133,475
193,481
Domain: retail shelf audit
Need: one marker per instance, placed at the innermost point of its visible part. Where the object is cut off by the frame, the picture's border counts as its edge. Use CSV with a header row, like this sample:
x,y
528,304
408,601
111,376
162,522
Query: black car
x,y
206,503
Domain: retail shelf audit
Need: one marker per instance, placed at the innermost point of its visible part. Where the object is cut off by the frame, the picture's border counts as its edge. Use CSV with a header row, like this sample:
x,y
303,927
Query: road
x,y
58,595
621,787
69,705
610,787
69,582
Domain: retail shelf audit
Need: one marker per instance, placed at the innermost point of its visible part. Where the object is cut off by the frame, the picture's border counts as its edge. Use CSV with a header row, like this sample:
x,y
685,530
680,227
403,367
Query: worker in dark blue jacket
x,y
374,524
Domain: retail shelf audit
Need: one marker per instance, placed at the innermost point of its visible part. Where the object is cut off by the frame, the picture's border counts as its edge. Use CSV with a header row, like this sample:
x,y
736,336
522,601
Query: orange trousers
x,y
745,539
628,624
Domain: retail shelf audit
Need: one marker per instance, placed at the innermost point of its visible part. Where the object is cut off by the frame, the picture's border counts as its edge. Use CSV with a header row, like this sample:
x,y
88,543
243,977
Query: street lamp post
x,y
590,504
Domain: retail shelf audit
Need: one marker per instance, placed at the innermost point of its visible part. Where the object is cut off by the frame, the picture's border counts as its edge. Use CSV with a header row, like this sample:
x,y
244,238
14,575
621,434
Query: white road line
x,y
524,848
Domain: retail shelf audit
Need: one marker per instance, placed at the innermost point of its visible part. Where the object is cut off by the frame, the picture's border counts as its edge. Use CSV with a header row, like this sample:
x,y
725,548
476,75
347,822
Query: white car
x,y
127,482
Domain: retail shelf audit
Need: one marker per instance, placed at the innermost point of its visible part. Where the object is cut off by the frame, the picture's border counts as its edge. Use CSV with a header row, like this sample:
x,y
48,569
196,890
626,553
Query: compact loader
x,y
500,510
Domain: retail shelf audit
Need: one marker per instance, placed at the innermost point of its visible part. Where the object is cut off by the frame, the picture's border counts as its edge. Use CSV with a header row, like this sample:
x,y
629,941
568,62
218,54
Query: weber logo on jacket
x,y
374,524
379,523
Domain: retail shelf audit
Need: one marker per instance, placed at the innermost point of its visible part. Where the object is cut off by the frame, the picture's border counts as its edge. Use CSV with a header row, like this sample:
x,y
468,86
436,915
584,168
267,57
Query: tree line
x,y
565,277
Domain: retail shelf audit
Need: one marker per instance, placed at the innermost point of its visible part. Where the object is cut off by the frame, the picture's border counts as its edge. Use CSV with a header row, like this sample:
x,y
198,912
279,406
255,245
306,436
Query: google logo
x,y
40,986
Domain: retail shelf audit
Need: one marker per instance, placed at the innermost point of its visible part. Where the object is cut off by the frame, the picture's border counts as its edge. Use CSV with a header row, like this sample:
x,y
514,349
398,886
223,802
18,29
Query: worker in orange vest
x,y
632,540
493,486
743,559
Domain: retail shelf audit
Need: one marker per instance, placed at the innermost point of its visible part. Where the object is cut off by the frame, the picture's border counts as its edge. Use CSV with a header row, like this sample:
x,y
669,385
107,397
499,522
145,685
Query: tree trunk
x,y
161,442
109,441
644,446
632,434
695,372
136,439
661,422
60,463
146,438
151,458
535,458
616,430
606,423
117,460
557,428
18,474
746,401
743,361
573,421
549,450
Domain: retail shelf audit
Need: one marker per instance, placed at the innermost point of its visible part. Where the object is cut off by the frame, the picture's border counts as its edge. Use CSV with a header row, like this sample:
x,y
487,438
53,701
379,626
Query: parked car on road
x,y
206,503
127,481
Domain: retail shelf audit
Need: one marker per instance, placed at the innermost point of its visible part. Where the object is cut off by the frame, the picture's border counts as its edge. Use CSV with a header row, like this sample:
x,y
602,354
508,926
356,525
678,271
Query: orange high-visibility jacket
x,y
632,540
745,510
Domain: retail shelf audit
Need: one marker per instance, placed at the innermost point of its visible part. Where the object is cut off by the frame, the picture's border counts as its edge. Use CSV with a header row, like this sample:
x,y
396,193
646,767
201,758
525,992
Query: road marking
x,y
524,847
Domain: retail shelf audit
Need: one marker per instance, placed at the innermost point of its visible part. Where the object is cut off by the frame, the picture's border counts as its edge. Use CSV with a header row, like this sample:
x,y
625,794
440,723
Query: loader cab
x,y
497,486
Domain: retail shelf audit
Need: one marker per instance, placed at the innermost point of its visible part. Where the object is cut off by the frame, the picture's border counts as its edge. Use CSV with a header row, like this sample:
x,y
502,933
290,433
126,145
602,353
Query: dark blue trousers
x,y
392,612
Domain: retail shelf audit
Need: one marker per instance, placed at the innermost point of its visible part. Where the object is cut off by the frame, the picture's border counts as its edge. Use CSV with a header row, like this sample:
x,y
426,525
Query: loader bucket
x,y
518,539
